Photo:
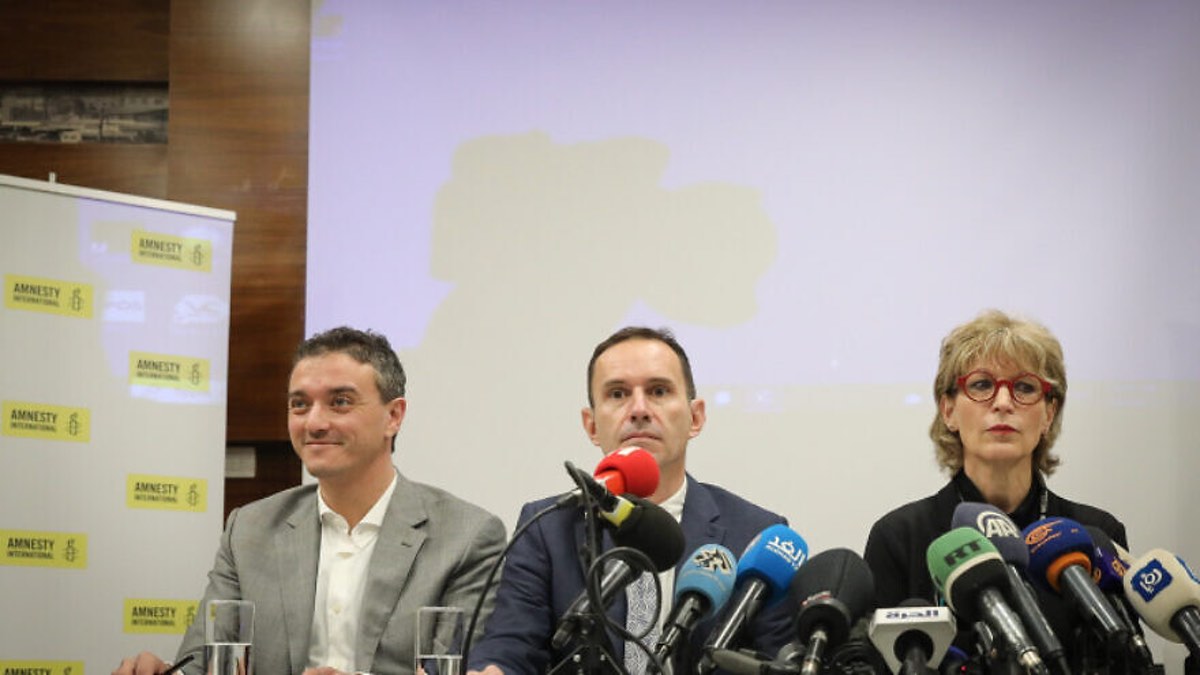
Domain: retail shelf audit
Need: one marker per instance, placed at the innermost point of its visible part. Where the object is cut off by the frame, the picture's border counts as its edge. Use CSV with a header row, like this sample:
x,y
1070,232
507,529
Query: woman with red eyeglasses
x,y
1000,389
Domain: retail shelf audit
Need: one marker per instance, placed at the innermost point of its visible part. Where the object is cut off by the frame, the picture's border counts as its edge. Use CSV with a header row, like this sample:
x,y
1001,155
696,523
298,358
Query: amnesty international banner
x,y
113,361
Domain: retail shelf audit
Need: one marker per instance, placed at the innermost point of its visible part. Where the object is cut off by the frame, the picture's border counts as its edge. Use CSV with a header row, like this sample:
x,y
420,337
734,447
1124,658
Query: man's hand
x,y
142,664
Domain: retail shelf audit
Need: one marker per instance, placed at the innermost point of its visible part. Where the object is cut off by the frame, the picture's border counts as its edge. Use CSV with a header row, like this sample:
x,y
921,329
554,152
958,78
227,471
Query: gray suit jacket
x,y
433,549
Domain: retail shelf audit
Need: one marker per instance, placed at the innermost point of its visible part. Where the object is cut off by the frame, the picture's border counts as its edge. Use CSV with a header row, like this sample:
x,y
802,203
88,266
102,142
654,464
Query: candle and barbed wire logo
x,y
71,551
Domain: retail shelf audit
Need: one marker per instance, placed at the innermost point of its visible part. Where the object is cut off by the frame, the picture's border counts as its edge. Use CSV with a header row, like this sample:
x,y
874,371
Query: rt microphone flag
x,y
969,572
1010,543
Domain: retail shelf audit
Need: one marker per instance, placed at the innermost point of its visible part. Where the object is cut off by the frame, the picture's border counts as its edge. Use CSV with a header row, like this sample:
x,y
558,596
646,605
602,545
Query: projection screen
x,y
811,195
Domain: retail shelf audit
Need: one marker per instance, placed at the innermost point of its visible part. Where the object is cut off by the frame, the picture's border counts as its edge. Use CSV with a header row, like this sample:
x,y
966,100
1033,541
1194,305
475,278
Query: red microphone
x,y
628,470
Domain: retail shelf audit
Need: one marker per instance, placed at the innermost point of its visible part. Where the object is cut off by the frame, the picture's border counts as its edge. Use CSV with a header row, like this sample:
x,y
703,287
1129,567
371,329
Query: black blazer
x,y
898,542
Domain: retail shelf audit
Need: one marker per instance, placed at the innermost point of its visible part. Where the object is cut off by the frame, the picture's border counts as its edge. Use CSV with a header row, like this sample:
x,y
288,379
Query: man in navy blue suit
x,y
640,393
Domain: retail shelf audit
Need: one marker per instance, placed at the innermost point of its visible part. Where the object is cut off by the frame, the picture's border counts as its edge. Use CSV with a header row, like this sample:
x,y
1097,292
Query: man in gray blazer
x,y
337,570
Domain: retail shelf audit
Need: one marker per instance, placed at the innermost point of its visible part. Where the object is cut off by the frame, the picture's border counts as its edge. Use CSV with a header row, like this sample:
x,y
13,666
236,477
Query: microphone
x,y
763,574
912,636
1004,534
648,528
747,662
833,589
628,470
703,586
967,569
1109,572
1166,593
1060,558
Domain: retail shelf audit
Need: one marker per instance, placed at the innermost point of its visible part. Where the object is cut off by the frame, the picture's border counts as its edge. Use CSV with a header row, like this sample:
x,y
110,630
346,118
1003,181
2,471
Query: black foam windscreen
x,y
975,576
1099,537
920,637
653,531
833,589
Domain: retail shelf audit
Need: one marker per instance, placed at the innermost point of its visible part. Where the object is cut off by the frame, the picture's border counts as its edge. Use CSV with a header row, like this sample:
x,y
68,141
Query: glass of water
x,y
228,634
439,644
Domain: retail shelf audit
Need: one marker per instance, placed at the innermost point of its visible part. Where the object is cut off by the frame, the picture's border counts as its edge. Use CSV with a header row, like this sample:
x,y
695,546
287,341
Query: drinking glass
x,y
439,641
228,635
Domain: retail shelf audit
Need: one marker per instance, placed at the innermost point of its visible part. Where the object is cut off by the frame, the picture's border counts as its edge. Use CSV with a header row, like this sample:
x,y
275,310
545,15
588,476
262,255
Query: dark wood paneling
x,y
277,468
239,141
132,169
107,40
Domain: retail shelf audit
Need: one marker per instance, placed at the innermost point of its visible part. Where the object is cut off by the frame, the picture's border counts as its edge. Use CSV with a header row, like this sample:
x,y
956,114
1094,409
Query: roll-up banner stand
x,y
114,335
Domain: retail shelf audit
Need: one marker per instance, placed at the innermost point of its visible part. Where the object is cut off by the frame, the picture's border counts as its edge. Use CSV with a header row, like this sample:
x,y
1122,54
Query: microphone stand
x,y
1099,657
592,655
593,652
1091,660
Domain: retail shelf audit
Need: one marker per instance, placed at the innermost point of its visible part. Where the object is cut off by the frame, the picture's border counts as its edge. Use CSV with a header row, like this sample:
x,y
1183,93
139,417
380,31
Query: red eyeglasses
x,y
981,386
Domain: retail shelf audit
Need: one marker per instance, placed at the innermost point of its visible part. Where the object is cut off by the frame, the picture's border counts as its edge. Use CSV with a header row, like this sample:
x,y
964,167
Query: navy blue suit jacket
x,y
543,575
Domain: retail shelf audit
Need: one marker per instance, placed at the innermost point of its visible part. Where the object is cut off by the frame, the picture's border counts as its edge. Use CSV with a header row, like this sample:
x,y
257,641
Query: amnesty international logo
x,y
159,616
155,248
26,548
41,667
168,370
166,493
46,422
50,296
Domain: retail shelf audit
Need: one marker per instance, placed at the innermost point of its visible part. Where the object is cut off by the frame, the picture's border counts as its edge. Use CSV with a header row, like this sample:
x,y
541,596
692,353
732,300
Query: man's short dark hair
x,y
366,347
663,335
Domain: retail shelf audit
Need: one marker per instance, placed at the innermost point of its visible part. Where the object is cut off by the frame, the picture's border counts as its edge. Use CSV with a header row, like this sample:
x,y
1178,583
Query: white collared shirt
x,y
341,582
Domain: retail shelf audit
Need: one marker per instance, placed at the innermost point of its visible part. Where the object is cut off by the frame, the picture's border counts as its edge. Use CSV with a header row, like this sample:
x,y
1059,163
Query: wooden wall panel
x,y
277,468
84,40
239,141
132,169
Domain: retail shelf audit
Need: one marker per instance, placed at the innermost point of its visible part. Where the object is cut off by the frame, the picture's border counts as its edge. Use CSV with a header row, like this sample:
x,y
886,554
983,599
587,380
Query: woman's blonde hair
x,y
996,337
